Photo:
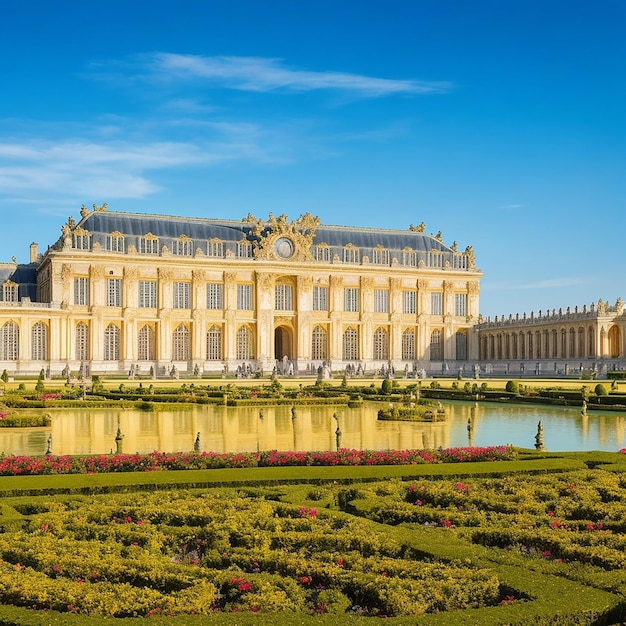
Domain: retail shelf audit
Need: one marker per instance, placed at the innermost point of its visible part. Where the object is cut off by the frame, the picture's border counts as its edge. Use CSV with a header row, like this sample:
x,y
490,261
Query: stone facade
x,y
556,342
133,293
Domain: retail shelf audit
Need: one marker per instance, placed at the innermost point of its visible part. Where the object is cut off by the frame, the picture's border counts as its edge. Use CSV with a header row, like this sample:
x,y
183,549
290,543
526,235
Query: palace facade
x,y
556,342
122,292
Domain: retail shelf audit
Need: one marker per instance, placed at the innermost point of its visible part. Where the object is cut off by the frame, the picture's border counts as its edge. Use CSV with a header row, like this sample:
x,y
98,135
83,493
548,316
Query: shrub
x,y
5,376
512,386
386,386
601,390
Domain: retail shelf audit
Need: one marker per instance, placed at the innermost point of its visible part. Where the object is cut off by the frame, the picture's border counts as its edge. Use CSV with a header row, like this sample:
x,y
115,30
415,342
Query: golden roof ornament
x,y
282,240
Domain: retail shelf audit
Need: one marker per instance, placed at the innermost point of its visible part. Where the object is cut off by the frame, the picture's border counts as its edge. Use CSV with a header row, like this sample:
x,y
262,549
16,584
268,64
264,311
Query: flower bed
x,y
52,464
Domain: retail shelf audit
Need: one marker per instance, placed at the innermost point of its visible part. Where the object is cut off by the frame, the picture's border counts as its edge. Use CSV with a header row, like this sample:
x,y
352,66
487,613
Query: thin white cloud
x,y
113,169
510,207
263,74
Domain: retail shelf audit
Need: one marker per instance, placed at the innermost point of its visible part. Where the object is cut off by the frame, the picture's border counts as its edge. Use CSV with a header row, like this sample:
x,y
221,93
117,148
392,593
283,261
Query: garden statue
x,y
539,437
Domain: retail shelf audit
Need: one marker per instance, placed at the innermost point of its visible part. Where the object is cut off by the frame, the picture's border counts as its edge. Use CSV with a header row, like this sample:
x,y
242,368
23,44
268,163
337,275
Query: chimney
x,y
33,252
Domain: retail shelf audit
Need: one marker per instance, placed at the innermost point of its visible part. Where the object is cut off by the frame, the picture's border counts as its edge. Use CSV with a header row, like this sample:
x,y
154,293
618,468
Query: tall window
x,y
409,257
409,302
181,343
351,299
436,351
381,344
283,297
114,292
9,342
351,254
39,342
147,294
380,256
146,343
81,291
244,297
82,342
181,296
408,345
434,258
115,242
460,304
436,303
111,343
320,298
244,249
149,244
9,292
214,344
183,246
214,296
319,347
322,253
461,346
350,344
381,301
215,248
243,348
81,241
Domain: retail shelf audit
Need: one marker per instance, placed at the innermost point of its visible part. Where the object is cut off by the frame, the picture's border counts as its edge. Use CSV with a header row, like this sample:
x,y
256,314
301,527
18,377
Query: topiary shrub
x,y
5,376
386,387
601,390
512,386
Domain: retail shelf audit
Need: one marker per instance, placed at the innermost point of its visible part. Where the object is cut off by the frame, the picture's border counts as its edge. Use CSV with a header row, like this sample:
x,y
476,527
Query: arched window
x,y
9,342
436,349
214,344
350,344
243,350
146,346
408,344
381,344
82,342
112,343
592,342
461,345
319,345
581,342
572,343
39,342
181,343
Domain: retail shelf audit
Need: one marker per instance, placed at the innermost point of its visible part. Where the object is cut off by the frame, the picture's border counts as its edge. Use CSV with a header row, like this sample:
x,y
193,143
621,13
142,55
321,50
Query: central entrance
x,y
282,343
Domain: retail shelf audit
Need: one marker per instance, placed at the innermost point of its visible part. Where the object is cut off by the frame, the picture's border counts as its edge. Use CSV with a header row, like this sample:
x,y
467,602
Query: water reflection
x,y
250,429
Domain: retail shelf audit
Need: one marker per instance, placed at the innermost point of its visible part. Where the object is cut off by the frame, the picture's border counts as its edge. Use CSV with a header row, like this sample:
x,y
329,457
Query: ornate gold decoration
x,y
102,208
422,284
230,277
281,320
470,257
150,237
439,236
84,211
198,275
473,287
305,283
419,228
336,281
280,240
265,281
131,272
66,272
165,273
367,282
395,283
96,271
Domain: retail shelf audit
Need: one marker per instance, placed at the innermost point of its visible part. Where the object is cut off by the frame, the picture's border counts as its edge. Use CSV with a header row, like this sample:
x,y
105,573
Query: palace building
x,y
122,292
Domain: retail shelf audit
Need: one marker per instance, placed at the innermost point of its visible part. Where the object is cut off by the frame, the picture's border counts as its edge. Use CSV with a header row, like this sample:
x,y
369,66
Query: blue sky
x,y
499,123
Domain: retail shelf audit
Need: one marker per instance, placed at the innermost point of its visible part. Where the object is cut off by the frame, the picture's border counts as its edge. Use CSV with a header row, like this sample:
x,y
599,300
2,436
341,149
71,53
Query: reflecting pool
x,y
93,431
